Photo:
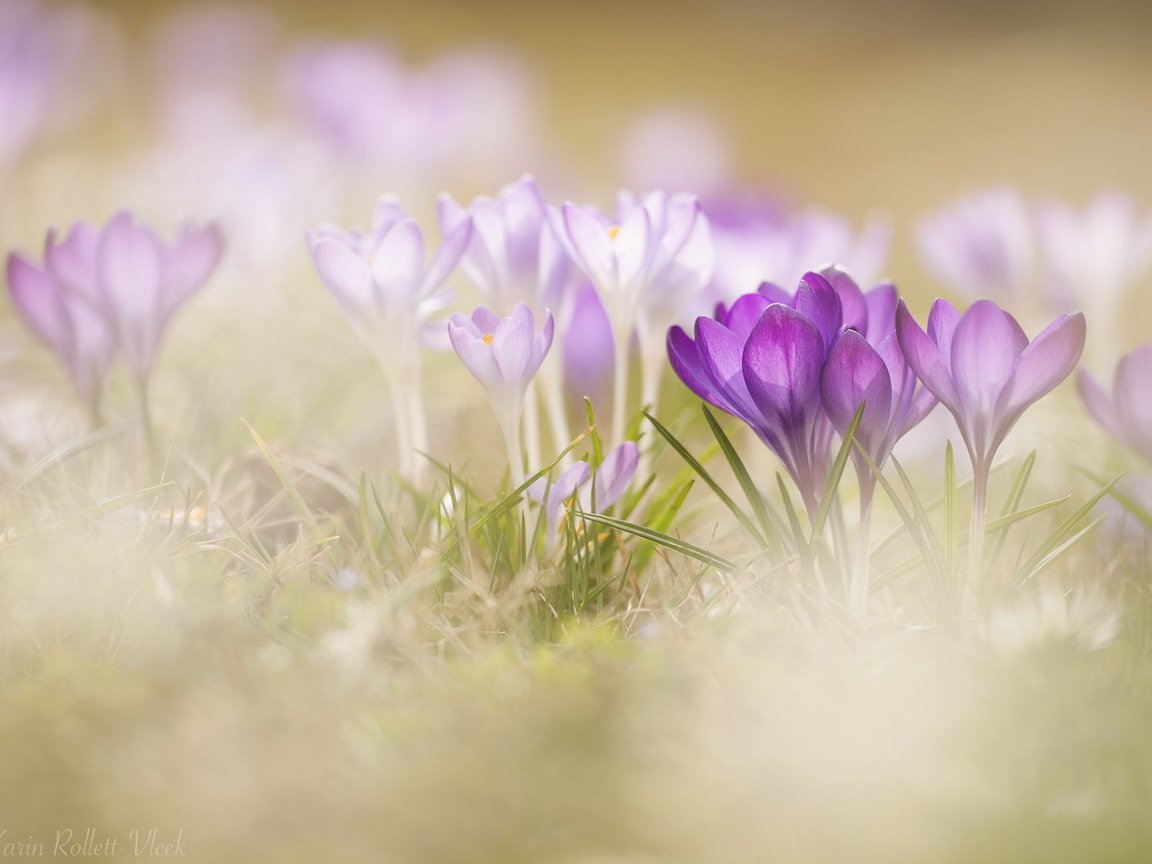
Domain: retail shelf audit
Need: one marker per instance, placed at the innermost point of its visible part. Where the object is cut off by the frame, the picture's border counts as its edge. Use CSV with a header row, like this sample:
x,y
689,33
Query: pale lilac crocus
x,y
644,263
515,257
609,483
983,369
762,361
1094,255
503,354
981,244
1126,413
110,292
389,290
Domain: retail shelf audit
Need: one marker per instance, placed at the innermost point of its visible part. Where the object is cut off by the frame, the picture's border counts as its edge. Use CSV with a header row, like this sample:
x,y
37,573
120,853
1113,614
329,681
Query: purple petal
x,y
855,373
854,310
191,261
37,299
1099,405
615,474
1130,394
781,366
130,265
881,302
818,301
1050,359
722,354
474,352
396,263
561,492
741,319
512,346
985,349
590,242
456,243
925,358
344,273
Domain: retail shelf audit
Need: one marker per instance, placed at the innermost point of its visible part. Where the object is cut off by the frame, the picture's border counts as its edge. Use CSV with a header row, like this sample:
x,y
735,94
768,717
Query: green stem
x,y
976,533
861,571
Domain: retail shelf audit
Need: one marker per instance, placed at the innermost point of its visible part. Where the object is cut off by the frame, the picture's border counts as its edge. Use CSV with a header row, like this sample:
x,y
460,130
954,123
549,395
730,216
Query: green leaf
x,y
700,470
832,481
278,469
659,538
740,471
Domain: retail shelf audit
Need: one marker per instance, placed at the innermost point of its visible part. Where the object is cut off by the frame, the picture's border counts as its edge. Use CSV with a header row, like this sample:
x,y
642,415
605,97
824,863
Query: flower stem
x,y
147,430
620,384
861,571
976,533
532,425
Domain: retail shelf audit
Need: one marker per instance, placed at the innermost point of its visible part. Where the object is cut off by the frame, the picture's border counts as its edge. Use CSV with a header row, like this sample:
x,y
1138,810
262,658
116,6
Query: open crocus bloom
x,y
514,255
984,370
380,276
656,253
609,482
762,361
1127,413
108,291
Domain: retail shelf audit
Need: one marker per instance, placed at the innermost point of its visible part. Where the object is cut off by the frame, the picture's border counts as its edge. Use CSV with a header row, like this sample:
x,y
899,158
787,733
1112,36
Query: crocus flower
x,y
503,354
980,245
609,482
1096,254
110,291
762,361
1127,413
381,276
514,255
388,290
644,264
984,370
856,373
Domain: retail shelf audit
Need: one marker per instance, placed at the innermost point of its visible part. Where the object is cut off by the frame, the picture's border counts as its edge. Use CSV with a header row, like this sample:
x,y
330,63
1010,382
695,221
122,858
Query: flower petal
x,y
344,273
925,358
615,474
855,373
1050,359
781,365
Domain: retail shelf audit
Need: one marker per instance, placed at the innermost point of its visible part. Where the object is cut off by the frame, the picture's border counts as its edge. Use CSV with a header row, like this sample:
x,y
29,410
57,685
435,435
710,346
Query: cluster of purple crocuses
x,y
797,366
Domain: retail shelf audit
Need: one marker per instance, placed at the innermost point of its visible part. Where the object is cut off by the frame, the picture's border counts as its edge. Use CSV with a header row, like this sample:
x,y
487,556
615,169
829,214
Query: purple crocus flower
x,y
388,290
514,255
110,291
981,244
857,372
984,370
380,276
1127,413
609,482
503,354
762,361
645,264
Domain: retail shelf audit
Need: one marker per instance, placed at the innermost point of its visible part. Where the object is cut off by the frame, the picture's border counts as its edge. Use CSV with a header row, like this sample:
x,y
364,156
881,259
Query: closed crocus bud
x,y
1127,413
879,378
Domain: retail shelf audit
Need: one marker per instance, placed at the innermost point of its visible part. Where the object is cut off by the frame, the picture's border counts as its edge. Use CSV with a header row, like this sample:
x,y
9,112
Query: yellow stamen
x,y
487,337
613,231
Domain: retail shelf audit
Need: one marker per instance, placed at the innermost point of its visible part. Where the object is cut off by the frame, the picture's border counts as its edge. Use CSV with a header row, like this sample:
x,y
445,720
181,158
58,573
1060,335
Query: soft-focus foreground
x,y
365,497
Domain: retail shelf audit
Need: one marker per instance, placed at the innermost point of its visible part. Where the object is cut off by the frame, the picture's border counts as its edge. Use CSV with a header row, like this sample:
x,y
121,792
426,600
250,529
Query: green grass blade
x,y
740,471
832,481
661,539
700,470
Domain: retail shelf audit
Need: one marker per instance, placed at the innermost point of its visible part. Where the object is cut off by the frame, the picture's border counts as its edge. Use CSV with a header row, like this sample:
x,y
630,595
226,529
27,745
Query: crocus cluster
x,y
790,366
104,293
